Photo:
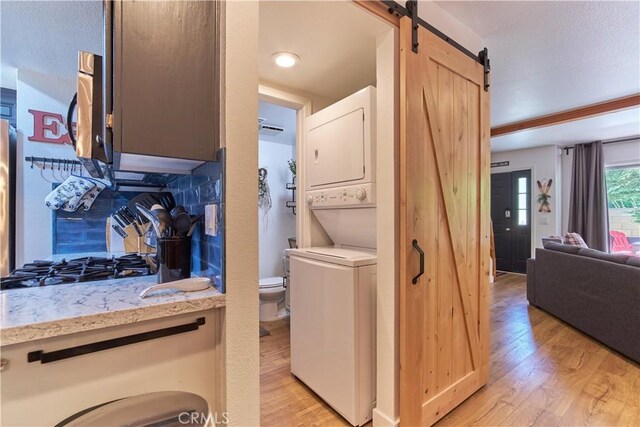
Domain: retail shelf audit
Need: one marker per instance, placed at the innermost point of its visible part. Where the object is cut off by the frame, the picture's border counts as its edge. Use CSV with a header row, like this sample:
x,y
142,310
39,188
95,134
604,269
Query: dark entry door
x,y
511,216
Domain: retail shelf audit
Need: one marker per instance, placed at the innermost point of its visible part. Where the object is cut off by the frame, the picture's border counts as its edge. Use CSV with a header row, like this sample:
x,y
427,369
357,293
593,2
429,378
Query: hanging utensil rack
x,y
53,163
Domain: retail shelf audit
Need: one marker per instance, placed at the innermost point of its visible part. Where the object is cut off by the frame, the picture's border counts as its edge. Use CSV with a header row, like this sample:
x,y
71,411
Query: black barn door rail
x,y
81,350
411,11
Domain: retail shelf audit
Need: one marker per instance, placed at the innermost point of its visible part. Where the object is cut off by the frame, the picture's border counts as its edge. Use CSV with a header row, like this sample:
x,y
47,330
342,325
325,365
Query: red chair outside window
x,y
620,243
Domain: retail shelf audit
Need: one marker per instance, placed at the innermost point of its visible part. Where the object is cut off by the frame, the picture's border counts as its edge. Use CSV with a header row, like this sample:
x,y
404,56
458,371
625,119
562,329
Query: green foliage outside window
x,y
623,189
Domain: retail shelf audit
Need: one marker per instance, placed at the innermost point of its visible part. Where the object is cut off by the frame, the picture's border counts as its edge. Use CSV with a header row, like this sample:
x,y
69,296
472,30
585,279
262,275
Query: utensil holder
x,y
174,258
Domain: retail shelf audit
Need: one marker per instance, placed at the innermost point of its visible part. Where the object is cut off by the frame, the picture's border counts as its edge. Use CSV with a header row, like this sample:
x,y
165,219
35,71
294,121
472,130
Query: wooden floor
x,y
542,373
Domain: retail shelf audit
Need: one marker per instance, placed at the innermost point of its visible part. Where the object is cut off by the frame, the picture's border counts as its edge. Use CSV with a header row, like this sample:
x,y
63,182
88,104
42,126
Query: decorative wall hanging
x,y
544,197
264,194
49,128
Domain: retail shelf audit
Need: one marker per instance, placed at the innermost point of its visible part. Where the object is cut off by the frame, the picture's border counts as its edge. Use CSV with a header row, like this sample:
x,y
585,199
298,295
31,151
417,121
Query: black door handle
x,y
421,252
72,106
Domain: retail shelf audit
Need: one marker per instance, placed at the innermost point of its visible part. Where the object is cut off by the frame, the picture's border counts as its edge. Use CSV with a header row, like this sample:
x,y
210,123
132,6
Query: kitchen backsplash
x,y
204,187
79,232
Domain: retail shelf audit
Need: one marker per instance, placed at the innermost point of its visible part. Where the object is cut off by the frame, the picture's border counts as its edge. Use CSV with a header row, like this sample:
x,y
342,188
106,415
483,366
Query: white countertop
x,y
42,312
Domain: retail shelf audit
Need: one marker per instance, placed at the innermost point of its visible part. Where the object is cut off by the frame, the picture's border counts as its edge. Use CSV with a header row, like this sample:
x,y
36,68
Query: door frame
x,y
534,222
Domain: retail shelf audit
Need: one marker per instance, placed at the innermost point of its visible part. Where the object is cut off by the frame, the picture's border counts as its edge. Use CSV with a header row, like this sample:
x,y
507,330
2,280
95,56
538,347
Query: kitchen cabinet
x,y
44,381
162,59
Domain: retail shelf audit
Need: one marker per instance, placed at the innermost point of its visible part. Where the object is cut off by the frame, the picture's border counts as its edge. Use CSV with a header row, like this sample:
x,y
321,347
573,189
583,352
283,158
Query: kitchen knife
x,y
119,220
126,213
119,230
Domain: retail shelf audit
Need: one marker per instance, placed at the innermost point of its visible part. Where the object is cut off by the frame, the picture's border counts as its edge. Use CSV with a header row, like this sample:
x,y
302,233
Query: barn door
x,y
445,214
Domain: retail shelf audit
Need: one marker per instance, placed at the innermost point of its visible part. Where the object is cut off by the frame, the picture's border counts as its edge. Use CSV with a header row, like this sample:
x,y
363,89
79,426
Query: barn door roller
x,y
410,10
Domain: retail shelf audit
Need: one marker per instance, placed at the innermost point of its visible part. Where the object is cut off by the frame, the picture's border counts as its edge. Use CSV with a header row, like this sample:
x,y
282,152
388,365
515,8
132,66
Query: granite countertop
x,y
42,312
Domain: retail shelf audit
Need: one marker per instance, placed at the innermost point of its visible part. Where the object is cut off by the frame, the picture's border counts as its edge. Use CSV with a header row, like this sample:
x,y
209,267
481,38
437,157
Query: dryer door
x,y
336,150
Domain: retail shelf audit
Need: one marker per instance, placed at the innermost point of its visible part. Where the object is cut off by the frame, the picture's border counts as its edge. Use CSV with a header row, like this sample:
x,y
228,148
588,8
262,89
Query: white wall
x,y
33,219
277,224
544,163
239,88
619,154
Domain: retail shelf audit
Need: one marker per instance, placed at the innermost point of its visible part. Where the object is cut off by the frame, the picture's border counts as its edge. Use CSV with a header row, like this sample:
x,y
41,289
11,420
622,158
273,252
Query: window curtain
x,y
588,203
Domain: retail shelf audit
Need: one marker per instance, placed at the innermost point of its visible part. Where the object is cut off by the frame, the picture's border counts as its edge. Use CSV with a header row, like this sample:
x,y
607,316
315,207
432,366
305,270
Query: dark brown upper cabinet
x,y
161,59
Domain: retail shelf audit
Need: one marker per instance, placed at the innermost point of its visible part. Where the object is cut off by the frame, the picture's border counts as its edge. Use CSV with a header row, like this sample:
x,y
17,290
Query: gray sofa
x,y
596,292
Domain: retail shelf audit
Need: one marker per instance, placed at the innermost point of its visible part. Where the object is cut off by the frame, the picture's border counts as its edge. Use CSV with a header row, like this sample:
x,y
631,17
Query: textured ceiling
x,y
336,42
548,57
553,56
45,36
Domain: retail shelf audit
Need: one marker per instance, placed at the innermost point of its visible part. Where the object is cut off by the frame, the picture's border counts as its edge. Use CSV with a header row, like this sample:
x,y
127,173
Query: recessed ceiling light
x,y
285,59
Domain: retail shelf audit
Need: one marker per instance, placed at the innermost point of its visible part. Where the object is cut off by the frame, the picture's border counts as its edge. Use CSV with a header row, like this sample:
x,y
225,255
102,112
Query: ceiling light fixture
x,y
285,59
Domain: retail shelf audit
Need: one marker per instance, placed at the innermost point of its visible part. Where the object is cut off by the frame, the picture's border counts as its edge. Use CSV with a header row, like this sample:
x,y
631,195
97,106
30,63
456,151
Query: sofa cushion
x,y
592,253
574,239
633,261
551,239
559,247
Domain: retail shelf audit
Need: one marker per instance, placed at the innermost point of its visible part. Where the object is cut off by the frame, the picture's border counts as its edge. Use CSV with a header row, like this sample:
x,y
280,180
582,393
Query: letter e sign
x,y
49,128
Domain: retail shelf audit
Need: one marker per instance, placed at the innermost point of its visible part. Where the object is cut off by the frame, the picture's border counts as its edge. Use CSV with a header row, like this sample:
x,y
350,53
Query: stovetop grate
x,y
85,269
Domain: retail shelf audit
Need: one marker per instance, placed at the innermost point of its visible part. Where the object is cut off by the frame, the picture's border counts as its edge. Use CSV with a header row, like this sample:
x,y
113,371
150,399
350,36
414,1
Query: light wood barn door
x,y
445,209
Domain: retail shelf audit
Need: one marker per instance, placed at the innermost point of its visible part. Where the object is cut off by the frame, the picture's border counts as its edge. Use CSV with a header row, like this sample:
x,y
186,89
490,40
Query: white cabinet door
x,y
336,150
323,323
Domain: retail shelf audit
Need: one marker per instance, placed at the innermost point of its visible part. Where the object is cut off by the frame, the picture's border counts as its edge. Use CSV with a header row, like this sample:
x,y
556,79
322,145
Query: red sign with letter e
x,y
49,128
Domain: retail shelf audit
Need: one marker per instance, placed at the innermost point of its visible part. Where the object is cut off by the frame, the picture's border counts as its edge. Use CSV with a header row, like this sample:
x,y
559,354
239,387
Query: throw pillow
x,y
574,239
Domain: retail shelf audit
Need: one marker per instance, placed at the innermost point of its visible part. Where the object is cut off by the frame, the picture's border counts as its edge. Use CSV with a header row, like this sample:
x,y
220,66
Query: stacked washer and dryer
x,y
333,287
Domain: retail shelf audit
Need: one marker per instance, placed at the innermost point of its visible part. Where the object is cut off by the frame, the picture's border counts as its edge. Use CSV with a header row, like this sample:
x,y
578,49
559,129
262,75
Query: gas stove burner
x,y
85,269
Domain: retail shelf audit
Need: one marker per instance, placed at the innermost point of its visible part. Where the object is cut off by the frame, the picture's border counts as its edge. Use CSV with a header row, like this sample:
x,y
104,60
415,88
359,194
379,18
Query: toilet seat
x,y
271,282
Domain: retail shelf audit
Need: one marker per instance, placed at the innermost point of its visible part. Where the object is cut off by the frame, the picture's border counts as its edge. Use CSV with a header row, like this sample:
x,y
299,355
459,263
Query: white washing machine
x,y
333,288
333,327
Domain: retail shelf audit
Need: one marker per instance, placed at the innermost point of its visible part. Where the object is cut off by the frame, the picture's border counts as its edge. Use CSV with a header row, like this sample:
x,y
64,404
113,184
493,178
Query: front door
x,y
511,216
444,211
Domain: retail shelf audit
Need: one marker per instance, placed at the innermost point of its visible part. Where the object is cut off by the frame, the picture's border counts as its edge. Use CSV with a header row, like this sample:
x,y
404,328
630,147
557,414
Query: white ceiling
x,y
336,42
45,36
548,57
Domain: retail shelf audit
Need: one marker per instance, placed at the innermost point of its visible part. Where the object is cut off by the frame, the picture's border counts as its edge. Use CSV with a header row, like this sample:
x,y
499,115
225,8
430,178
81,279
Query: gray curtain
x,y
588,204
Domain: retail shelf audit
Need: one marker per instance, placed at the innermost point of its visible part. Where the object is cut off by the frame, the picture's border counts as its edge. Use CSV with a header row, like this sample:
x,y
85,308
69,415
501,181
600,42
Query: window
x,y
523,188
623,194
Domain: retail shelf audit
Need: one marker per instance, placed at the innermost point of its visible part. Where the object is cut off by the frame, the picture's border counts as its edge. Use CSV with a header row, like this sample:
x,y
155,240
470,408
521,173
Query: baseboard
x,y
381,419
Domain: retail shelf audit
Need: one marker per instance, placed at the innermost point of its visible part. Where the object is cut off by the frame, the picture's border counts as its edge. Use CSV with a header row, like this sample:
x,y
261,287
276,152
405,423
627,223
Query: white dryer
x,y
333,327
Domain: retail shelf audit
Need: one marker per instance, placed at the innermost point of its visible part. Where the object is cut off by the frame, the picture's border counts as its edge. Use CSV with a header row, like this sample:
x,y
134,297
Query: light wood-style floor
x,y
542,373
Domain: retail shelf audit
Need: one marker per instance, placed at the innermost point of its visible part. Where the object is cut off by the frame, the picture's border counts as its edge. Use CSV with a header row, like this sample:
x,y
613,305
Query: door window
x,y
523,189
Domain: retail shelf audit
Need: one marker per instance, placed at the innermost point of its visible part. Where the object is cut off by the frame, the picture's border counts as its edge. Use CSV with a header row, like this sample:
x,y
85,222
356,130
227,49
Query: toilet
x,y
272,299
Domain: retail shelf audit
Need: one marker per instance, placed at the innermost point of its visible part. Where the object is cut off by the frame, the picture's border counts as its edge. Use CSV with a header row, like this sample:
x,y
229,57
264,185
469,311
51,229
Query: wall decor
x,y
49,128
543,196
264,193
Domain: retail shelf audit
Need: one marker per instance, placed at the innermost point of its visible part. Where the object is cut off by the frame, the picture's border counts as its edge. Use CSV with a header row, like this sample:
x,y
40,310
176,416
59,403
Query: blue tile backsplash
x,y
78,232
81,232
204,187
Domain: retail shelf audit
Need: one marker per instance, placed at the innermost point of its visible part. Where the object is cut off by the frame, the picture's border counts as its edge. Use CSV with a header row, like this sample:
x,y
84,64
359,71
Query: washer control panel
x,y
359,195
